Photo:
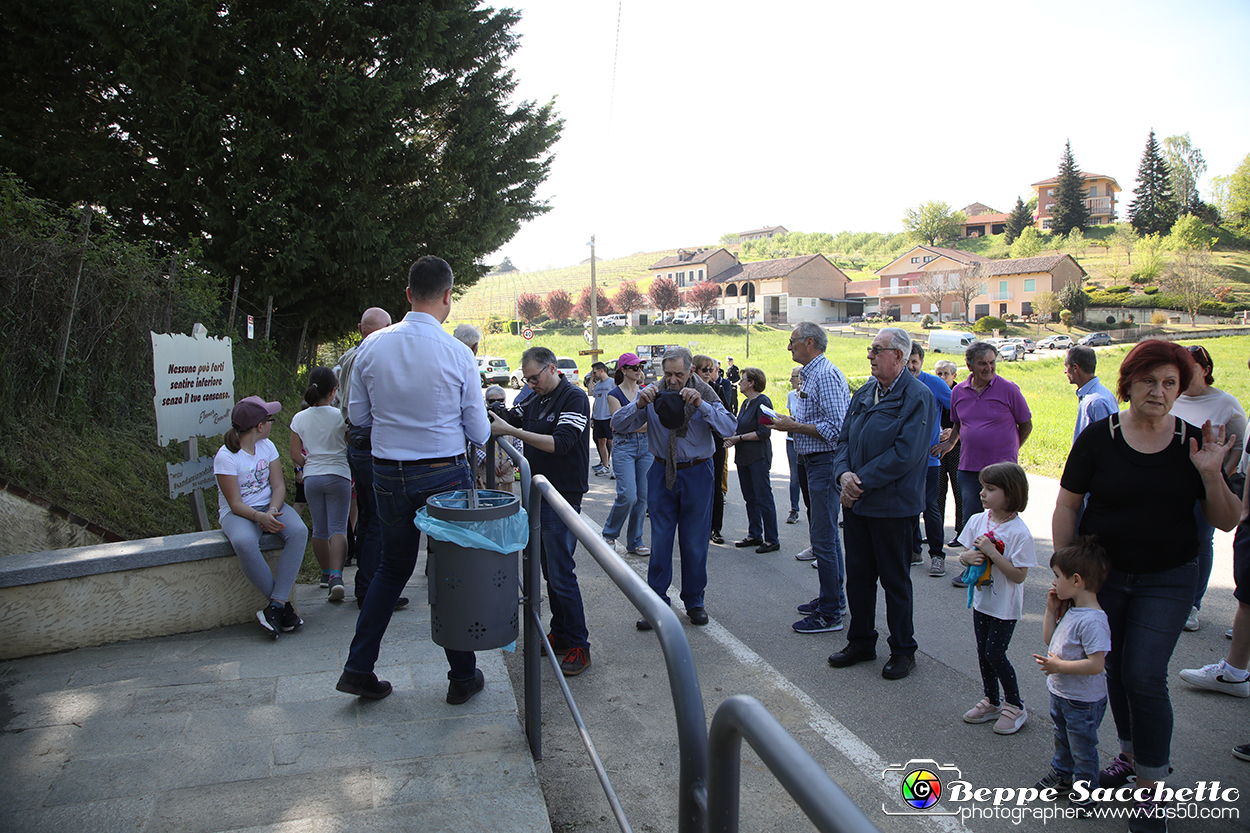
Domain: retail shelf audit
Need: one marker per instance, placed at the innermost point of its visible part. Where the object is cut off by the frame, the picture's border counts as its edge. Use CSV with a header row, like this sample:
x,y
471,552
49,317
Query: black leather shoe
x,y
773,547
697,616
461,691
849,656
748,542
363,685
716,537
642,625
400,603
898,667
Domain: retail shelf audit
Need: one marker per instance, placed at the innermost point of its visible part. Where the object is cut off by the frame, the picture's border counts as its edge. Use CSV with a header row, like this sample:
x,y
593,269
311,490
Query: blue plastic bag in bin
x,y
502,535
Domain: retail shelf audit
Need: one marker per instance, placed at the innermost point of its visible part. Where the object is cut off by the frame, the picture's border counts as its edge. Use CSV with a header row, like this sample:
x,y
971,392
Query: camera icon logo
x,y
921,787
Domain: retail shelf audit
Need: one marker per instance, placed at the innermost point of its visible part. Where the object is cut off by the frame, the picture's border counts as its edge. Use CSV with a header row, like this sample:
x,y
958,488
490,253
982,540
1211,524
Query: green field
x,y
1051,398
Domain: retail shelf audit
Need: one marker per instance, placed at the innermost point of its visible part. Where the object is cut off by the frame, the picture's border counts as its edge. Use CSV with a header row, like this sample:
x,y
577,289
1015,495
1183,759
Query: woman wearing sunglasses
x,y
1200,402
251,495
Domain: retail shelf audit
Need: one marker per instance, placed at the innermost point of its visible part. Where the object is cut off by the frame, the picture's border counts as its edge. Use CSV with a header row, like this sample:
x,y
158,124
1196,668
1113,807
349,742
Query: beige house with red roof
x,y
898,282
1099,199
1011,285
782,291
761,233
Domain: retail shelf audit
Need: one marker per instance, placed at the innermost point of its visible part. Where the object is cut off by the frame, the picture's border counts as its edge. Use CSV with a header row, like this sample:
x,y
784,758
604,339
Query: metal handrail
x,y
706,800
825,803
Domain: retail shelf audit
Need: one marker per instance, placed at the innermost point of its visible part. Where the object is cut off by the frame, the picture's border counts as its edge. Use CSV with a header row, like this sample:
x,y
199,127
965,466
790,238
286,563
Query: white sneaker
x,y
639,551
1215,677
983,712
617,547
806,555
1011,719
1192,624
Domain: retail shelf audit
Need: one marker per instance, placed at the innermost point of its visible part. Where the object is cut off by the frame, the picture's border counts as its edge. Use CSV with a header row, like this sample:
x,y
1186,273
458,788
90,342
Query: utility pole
x,y
63,349
594,303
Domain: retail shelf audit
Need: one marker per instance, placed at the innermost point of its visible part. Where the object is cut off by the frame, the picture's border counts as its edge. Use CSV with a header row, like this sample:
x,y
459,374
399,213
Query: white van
x,y
943,341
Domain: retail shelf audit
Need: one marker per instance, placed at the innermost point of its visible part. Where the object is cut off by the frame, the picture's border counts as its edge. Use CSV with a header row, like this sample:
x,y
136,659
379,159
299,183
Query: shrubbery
x,y
988,324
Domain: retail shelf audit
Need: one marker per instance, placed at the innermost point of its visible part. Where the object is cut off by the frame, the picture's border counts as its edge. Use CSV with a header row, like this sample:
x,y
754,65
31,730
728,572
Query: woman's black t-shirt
x,y
1141,506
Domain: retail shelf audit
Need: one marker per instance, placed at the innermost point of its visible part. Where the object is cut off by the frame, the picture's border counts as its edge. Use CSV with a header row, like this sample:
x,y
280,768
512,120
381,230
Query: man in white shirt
x,y
419,392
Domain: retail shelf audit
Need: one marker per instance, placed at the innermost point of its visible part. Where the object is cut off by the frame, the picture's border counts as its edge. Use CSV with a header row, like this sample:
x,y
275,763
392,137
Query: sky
x,y
715,117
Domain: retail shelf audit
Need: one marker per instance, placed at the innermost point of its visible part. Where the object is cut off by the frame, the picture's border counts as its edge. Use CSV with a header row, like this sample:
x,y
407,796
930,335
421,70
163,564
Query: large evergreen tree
x,y
1069,210
1154,209
312,149
1019,218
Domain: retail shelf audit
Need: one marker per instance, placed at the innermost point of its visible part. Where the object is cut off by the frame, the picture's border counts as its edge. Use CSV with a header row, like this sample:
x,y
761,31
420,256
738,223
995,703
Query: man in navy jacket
x,y
880,469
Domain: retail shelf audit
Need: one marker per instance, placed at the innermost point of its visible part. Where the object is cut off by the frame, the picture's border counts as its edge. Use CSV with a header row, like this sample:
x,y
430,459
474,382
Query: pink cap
x,y
628,360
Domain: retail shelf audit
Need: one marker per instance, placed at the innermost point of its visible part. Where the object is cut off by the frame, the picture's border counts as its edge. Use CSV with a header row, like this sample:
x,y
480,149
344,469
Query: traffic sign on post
x,y
527,333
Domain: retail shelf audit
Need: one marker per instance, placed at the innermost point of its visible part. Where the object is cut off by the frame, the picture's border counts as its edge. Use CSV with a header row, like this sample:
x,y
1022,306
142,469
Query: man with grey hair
x,y
680,414
880,471
1093,400
360,460
468,334
933,527
823,399
991,422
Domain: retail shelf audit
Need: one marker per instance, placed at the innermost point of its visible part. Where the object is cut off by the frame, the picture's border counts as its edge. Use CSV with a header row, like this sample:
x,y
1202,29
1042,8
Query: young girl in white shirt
x,y
251,499
999,536
319,450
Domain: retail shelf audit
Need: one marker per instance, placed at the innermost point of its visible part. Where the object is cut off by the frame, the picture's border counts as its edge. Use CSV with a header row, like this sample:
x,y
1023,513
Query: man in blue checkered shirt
x,y
823,401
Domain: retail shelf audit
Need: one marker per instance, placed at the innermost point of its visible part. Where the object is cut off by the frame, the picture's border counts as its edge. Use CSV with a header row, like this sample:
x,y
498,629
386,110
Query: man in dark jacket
x,y
554,424
880,469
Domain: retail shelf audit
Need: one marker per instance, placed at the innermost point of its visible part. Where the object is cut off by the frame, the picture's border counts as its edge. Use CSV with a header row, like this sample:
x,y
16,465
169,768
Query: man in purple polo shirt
x,y
991,418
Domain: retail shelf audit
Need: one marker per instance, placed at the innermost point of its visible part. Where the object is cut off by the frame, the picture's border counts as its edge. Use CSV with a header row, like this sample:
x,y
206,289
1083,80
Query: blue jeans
x,y
684,511
568,617
630,462
830,567
1147,612
792,454
400,491
934,522
1206,554
368,527
970,488
1076,737
757,494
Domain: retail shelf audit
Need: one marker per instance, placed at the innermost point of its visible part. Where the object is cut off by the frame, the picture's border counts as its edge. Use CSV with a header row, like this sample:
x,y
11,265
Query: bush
x,y
988,324
1159,318
1153,290
1118,289
926,322
1110,319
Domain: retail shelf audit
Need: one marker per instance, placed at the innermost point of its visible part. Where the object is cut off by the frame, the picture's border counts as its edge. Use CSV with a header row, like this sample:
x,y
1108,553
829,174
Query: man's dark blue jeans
x,y
368,527
401,489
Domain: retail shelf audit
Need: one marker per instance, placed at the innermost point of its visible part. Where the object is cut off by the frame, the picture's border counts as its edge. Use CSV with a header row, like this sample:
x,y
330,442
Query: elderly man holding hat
x,y
679,415
251,499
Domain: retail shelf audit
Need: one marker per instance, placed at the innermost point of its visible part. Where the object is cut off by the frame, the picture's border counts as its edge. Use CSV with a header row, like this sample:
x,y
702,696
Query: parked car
x,y
683,318
1055,342
950,341
614,320
494,370
1029,345
1007,349
1095,340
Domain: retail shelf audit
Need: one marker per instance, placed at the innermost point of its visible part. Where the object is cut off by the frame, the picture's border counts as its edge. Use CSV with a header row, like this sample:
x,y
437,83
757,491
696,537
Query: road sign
x,y
589,352
527,333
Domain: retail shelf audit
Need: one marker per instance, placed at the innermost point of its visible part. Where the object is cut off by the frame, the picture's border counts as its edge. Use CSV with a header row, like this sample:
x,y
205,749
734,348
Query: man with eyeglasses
x,y
418,390
680,414
554,424
880,469
823,400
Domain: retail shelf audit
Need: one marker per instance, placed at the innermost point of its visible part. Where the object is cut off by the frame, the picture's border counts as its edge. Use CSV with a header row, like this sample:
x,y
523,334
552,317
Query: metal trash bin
x,y
475,538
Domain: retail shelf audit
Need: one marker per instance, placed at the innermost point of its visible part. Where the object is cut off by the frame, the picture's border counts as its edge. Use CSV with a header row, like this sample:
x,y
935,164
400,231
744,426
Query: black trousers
x,y
879,550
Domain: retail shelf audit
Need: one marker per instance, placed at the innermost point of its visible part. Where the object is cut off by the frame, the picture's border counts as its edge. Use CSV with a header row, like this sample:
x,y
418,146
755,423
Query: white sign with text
x,y
189,475
194,377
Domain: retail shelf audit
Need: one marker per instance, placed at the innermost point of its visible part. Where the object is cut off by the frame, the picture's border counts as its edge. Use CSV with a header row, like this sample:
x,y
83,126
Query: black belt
x,y
684,465
430,461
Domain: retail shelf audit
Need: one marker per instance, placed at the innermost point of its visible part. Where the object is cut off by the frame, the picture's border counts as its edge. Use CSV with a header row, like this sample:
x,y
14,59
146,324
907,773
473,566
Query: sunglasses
x,y
705,369
1200,354
877,350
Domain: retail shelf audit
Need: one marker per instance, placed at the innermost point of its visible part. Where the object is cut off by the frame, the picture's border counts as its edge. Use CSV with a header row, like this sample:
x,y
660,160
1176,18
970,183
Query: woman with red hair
x,y
1132,479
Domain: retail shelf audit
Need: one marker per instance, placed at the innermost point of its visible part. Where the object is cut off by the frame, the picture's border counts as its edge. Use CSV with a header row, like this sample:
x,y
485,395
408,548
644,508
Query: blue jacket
x,y
887,446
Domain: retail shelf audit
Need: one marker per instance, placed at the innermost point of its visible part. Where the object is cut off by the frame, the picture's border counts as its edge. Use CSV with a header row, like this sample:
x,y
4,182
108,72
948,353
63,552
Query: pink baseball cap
x,y
252,411
628,360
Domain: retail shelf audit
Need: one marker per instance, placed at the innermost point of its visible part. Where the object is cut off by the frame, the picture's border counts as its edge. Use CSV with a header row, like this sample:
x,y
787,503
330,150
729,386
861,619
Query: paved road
x,y
851,720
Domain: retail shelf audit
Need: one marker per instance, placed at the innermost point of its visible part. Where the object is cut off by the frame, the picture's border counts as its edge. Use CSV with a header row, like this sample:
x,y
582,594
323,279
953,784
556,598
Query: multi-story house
x,y
899,281
1011,285
1099,199
761,233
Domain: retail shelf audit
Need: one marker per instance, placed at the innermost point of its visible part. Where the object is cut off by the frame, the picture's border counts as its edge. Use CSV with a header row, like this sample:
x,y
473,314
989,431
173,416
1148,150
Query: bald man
x,y
360,457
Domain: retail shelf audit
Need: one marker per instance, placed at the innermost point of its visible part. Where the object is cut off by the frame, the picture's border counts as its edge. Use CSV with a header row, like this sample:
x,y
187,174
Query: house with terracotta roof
x,y
761,233
899,281
782,291
1099,199
980,225
1010,285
